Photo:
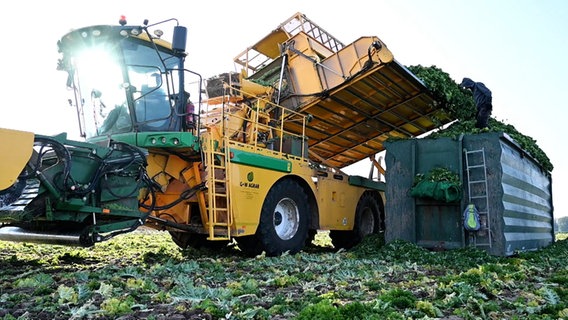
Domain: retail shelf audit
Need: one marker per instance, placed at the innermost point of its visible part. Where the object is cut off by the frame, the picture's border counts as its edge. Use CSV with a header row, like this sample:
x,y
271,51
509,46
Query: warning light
x,y
122,20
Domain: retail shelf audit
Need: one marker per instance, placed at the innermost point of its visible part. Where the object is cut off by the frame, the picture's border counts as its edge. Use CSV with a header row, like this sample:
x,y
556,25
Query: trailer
x,y
509,188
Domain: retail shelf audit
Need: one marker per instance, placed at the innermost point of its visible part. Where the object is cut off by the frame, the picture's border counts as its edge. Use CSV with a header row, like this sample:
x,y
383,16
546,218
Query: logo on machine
x,y
249,183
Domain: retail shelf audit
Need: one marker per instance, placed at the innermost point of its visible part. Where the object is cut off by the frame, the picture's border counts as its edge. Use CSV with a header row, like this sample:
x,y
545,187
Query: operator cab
x,y
125,79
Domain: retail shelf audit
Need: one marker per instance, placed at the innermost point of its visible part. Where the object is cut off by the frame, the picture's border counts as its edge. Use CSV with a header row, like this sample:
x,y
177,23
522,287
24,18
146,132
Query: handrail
x,y
266,50
258,124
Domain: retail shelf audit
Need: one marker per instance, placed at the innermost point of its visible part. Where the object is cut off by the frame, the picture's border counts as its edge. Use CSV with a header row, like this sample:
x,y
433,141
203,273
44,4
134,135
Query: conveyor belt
x,y
353,120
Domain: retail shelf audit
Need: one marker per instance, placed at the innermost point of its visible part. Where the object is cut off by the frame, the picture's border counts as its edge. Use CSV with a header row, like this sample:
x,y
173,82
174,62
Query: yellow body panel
x,y
305,79
15,151
337,201
249,186
156,166
252,89
178,213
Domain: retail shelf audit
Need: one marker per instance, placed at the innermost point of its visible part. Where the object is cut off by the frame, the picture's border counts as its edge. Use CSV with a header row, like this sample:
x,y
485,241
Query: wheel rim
x,y
286,218
367,225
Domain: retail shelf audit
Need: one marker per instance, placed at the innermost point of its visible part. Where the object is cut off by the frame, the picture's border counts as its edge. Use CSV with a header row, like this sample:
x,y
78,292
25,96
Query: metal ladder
x,y
478,195
218,199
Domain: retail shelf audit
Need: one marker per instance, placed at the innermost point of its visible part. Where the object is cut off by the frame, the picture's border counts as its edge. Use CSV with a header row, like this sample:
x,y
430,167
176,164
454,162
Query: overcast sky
x,y
518,48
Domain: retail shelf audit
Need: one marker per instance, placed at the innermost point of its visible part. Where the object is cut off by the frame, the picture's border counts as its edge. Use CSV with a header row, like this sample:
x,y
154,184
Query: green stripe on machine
x,y
260,161
367,183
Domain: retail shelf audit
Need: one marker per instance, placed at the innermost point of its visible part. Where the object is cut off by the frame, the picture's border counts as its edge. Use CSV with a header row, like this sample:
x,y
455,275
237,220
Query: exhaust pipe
x,y
17,234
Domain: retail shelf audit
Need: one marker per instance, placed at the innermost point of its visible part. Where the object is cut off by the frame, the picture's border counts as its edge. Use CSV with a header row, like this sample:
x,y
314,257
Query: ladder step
x,y
218,238
220,234
478,197
478,181
220,224
475,166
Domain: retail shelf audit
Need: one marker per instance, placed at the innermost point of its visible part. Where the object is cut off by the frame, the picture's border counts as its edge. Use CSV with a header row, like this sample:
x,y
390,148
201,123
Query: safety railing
x,y
257,124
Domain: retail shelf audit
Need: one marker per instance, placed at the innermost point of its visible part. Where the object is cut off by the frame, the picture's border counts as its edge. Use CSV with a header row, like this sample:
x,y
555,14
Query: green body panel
x,y
367,183
177,140
260,161
72,185
429,223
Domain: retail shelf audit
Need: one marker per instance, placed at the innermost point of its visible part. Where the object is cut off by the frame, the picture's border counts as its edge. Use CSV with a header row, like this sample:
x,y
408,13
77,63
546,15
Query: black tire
x,y
284,221
186,240
367,221
249,245
311,237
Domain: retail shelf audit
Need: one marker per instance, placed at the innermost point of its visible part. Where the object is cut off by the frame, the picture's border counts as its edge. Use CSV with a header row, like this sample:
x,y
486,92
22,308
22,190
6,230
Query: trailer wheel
x,y
284,221
367,222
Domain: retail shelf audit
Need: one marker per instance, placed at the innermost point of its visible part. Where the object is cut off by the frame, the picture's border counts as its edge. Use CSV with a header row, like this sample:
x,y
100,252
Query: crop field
x,y
143,275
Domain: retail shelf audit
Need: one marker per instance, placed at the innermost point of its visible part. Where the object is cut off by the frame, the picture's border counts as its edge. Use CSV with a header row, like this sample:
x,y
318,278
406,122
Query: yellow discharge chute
x,y
15,150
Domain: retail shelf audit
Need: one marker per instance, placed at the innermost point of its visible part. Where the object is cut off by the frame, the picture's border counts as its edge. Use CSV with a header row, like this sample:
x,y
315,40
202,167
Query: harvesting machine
x,y
254,156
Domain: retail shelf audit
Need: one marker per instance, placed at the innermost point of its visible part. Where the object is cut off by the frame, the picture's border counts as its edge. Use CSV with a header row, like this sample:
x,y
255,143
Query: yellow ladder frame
x,y
218,150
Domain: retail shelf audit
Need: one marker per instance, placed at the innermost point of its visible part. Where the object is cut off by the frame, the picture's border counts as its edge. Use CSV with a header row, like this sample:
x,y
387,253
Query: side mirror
x,y
179,38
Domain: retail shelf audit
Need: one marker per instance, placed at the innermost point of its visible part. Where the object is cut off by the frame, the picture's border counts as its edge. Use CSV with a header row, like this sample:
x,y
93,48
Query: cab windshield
x,y
125,88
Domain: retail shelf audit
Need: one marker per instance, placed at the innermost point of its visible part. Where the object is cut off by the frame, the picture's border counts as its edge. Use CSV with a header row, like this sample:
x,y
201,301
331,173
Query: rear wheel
x,y
367,221
284,221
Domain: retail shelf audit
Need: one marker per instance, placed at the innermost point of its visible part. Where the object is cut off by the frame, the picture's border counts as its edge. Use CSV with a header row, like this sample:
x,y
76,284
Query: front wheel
x,y
284,221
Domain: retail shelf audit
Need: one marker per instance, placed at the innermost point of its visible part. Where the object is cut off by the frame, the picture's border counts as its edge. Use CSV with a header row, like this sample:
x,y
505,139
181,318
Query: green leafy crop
x,y
456,101
439,174
374,280
459,104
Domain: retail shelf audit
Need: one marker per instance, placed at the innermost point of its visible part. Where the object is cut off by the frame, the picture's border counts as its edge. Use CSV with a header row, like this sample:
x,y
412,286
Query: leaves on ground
x,y
143,275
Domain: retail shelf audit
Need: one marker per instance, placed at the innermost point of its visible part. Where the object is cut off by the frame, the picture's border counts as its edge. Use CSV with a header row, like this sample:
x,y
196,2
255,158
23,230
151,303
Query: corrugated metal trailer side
x,y
520,195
